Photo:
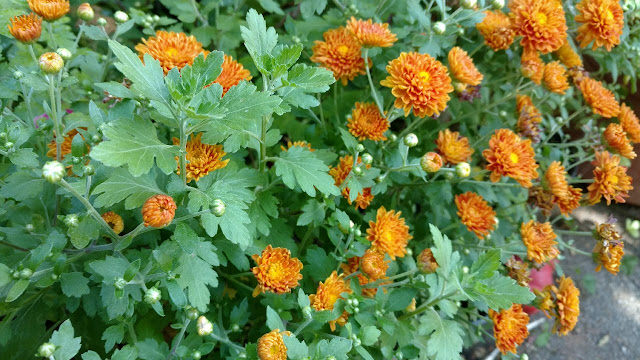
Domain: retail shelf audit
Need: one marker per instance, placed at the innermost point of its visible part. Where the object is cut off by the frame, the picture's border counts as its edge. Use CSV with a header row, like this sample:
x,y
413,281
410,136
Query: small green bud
x,y
204,326
71,220
449,175
152,295
306,311
235,327
85,12
64,53
439,28
89,170
3,135
411,140
356,310
102,22
121,17
380,178
357,232
367,159
76,160
497,4
96,138
218,207
54,277
296,39
120,283
46,350
192,313
463,169
360,148
8,145
50,63
156,18
465,269
29,228
357,342
469,4
196,355
18,74
393,137
409,252
53,171
26,273
149,18
503,114
357,170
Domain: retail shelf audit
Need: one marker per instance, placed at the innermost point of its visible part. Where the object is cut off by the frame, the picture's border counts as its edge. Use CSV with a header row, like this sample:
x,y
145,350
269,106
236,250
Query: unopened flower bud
x,y
367,159
218,207
53,171
156,18
235,327
46,350
524,357
463,169
26,273
439,28
205,327
71,220
64,53
497,4
357,170
393,137
54,277
8,145
152,295
192,313
449,175
96,138
102,22
89,170
469,4
426,262
29,228
465,269
120,283
357,342
295,39
306,311
50,63
503,114
431,162
360,148
358,233
18,74
121,17
196,355
411,140
85,12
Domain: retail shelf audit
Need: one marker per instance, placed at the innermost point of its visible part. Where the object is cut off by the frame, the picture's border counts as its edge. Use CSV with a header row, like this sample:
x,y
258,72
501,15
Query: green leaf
x,y
113,335
87,230
121,185
183,9
273,320
5,276
296,350
310,78
486,265
265,206
74,284
128,352
300,166
150,349
369,335
258,40
312,211
94,32
135,144
320,265
303,299
443,252
193,78
445,342
338,347
17,289
116,89
90,355
24,158
21,185
271,6
67,346
400,298
500,292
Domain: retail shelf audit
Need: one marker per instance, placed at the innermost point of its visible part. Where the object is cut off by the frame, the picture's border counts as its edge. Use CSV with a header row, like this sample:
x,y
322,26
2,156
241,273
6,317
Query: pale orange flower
x,y
26,28
531,65
539,239
50,10
567,306
556,177
276,271
617,139
370,34
609,179
555,77
299,143
541,24
601,100
462,67
366,122
340,173
374,265
630,123
389,234
201,158
114,221
608,256
232,73
496,30
340,52
529,118
544,301
476,214
509,328
158,211
171,49
602,23
508,155
570,202
328,293
420,82
567,56
271,345
426,262
453,147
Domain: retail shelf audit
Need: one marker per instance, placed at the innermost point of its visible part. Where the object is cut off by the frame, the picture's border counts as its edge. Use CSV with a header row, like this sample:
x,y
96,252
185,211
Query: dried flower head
x,y
340,173
453,147
607,231
570,202
510,328
426,262
508,155
366,122
496,30
328,293
602,23
158,211
420,82
541,198
171,49
271,345
608,254
555,77
617,139
370,34
630,123
201,158
531,65
26,28
519,271
114,221
529,118
389,234
232,73
276,271
601,100
476,214
539,239
541,24
50,10
340,52
556,178
567,56
609,179
462,67
374,265
567,306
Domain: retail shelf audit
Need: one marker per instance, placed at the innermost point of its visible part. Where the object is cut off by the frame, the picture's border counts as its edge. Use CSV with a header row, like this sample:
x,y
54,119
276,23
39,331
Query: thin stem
x,y
428,305
227,341
202,19
573,232
335,103
5,243
398,276
305,240
179,339
490,183
33,54
263,131
559,126
339,5
237,282
564,244
132,332
79,33
54,116
581,181
365,56
302,326
183,151
53,40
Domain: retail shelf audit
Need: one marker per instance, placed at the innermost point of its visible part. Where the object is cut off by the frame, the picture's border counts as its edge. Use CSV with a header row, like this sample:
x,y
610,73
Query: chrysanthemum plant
x,y
360,180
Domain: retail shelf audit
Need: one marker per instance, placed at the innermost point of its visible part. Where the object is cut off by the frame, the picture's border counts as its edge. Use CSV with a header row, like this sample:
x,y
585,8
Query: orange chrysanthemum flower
x,y
171,49
570,202
539,240
370,34
420,82
617,138
609,179
496,30
556,177
529,118
602,23
340,173
541,198
374,265
453,147
508,155
340,52
531,65
608,255
276,271
328,293
567,306
476,214
426,262
567,56
544,301
366,122
271,345
630,123
555,77
540,22
26,28
50,10
114,221
389,234
158,211
201,158
601,100
510,328
300,143
232,73
462,67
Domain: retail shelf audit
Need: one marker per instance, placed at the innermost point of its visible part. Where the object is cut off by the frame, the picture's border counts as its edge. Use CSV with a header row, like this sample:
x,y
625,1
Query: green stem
x,y
581,181
132,332
490,183
574,232
428,305
305,240
33,54
235,281
365,56
228,342
179,339
53,40
5,243
559,126
302,326
565,245
183,151
398,276
79,33
263,131
54,116
202,19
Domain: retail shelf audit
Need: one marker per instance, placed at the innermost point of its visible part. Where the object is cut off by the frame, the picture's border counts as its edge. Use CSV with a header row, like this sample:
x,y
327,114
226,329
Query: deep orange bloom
x,y
340,52
201,158
50,10
26,28
531,65
389,234
328,293
65,147
510,328
276,271
340,173
601,100
508,155
629,122
453,147
158,211
539,239
529,118
567,306
300,143
462,67
617,138
608,256
476,214
366,122
370,34
420,82
232,73
602,23
567,56
609,179
540,22
555,77
496,30
114,221
271,345
426,262
570,202
374,265
171,49
556,177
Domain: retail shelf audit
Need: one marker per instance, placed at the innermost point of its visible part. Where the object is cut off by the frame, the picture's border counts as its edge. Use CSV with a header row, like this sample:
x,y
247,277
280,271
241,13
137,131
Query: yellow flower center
x,y
542,18
172,51
425,76
614,179
343,49
514,158
276,272
274,350
609,15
